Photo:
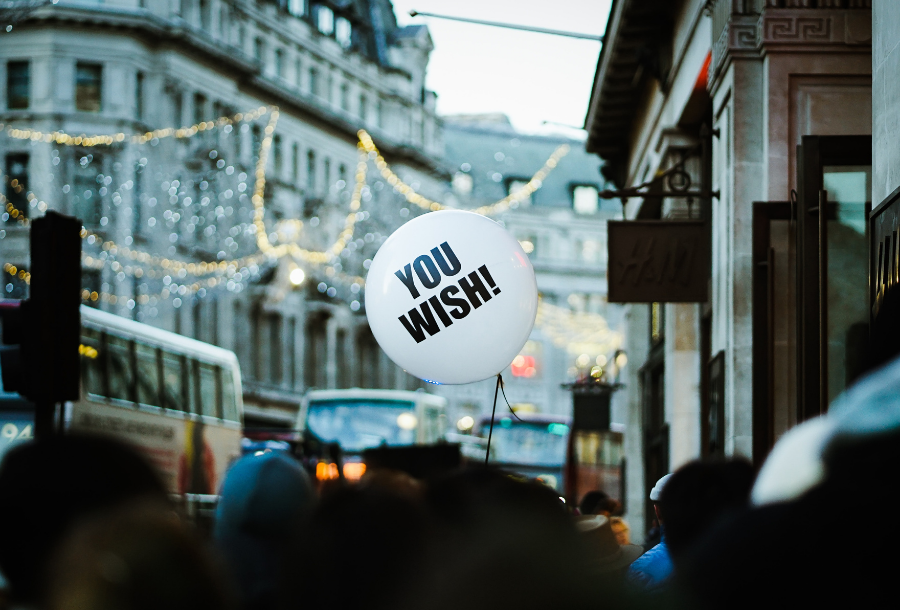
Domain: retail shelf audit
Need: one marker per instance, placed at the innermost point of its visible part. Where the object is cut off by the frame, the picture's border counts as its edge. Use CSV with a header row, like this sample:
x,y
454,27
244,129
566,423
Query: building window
x,y
88,87
18,85
342,175
279,63
297,8
199,108
16,187
585,199
277,156
276,373
329,87
326,169
345,97
139,96
343,32
367,360
311,172
255,141
178,107
514,185
313,81
88,188
258,49
295,158
363,108
325,20
141,199
340,357
205,14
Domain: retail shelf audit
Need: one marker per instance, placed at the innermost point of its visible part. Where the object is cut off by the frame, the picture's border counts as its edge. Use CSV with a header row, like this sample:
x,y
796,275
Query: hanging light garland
x,y
286,244
87,141
511,200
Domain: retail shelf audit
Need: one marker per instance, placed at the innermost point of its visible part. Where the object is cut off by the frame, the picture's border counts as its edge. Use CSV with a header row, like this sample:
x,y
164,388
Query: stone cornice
x,y
794,30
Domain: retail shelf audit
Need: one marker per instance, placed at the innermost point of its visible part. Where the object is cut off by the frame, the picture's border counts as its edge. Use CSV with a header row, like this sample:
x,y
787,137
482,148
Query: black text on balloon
x,y
426,269
420,321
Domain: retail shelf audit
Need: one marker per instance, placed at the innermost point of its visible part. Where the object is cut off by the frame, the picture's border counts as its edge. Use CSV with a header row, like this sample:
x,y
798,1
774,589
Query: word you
x,y
420,321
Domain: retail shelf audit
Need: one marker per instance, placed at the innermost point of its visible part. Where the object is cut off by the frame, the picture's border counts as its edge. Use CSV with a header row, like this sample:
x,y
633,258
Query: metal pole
x,y
511,26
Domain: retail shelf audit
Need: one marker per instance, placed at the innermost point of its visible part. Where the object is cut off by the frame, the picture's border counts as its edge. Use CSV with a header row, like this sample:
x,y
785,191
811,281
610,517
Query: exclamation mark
x,y
489,279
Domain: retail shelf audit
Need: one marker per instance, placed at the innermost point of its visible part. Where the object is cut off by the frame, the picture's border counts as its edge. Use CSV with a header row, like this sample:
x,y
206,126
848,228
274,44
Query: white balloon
x,y
451,297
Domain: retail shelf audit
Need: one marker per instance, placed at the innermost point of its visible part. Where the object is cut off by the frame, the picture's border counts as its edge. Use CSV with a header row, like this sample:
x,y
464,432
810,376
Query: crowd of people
x,y
89,526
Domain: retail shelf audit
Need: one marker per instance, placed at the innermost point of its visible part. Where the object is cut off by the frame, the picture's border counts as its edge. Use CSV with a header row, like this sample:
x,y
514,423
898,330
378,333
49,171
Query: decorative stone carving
x,y
815,27
752,34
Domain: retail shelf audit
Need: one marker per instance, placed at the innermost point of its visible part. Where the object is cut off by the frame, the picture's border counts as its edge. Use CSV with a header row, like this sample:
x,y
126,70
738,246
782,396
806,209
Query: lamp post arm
x,y
511,26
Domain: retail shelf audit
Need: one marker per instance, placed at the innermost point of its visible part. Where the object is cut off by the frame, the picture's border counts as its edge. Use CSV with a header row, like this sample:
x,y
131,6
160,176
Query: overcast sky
x,y
530,77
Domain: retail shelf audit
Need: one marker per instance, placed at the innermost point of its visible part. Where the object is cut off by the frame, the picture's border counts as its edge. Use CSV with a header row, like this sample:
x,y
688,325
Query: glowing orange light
x,y
326,472
354,471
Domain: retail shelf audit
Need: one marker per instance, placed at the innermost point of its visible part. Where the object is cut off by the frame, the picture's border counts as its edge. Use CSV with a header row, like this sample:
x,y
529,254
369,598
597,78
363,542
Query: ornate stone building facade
x,y
260,198
780,92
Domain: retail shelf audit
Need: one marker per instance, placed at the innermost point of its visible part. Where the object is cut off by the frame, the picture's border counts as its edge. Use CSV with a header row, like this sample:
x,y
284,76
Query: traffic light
x,y
40,357
10,352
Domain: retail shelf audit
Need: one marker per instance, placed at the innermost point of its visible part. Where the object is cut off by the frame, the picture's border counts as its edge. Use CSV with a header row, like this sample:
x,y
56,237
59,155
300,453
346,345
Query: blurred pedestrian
x,y
135,559
51,485
597,502
697,496
266,502
791,550
606,554
652,569
506,543
365,547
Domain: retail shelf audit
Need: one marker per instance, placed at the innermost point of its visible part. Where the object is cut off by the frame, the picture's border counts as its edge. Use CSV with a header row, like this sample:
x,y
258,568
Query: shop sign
x,y
658,261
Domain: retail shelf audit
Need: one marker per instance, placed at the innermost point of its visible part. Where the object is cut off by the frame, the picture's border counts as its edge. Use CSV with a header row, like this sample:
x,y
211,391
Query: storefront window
x,y
848,188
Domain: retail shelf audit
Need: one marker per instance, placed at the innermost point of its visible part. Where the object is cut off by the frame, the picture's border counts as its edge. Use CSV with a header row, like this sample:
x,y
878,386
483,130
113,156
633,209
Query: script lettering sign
x,y
658,261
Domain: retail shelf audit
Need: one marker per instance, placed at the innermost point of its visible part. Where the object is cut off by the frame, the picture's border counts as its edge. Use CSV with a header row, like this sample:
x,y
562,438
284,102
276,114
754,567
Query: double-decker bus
x,y
176,400
534,446
358,419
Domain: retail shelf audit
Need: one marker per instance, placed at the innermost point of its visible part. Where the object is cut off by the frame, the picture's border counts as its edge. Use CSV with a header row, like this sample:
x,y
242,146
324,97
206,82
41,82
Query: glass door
x,y
833,204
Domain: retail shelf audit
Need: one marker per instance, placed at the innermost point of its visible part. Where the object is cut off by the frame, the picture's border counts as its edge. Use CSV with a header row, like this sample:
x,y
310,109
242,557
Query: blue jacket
x,y
651,570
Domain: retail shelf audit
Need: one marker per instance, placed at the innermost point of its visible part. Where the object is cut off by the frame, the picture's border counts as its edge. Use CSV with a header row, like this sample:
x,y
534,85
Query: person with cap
x,y
266,503
652,569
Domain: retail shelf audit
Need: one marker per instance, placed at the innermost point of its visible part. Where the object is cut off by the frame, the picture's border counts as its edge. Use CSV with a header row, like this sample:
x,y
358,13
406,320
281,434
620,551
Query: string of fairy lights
x,y
510,201
585,332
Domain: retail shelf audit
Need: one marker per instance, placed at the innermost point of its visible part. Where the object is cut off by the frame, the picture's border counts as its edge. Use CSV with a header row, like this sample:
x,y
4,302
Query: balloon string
x,y
503,391
487,454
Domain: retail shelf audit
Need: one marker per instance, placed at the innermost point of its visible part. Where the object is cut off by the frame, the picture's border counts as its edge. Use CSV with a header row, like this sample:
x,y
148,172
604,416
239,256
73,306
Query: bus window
x,y
193,389
92,362
208,389
148,374
229,400
118,360
172,378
